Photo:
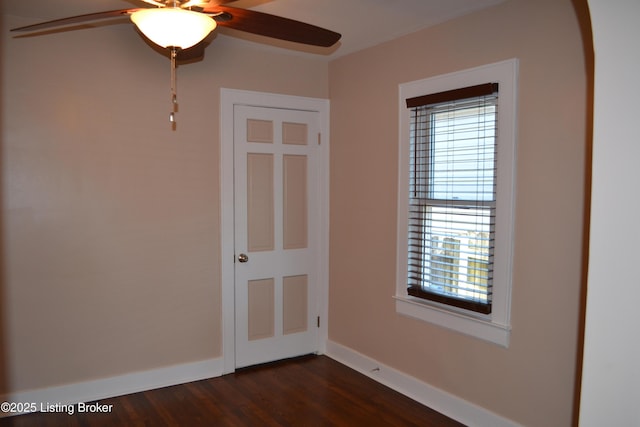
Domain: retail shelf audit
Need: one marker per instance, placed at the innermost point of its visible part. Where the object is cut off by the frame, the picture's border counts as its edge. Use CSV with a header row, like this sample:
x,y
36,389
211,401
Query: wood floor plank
x,y
308,391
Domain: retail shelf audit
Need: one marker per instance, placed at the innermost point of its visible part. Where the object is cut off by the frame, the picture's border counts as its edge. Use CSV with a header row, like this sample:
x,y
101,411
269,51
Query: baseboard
x,y
89,391
439,400
94,390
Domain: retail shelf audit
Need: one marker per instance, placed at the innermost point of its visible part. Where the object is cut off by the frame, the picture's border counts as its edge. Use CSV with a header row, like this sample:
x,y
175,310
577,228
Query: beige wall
x,y
531,382
110,219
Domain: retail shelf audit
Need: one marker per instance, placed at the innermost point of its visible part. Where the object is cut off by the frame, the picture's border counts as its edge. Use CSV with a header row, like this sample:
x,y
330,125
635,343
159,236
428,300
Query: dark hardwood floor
x,y
305,391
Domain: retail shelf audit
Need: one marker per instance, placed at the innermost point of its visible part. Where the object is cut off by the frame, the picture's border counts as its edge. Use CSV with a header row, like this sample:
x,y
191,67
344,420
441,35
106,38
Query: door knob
x,y
243,258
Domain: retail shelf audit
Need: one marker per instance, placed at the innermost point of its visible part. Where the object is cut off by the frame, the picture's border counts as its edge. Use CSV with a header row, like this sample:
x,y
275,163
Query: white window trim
x,y
494,327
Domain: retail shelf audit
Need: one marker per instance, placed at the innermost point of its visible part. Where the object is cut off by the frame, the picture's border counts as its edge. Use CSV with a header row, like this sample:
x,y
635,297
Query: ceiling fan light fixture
x,y
173,27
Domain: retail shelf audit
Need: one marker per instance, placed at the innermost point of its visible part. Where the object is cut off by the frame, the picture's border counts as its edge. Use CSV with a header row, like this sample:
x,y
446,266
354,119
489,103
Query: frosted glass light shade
x,y
173,27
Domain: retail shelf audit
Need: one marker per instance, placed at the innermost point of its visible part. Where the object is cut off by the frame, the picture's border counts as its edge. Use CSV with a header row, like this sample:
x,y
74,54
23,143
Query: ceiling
x,y
362,23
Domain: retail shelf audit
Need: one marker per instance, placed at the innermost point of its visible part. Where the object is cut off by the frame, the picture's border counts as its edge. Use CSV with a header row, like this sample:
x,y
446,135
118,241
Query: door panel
x,y
260,202
260,300
294,307
275,169
295,201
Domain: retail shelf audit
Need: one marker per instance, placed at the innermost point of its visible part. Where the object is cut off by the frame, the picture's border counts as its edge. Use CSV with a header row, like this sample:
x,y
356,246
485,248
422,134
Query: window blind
x,y
452,201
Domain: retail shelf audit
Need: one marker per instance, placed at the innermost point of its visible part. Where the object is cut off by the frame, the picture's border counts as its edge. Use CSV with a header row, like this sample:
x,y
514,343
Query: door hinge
x,y
319,138
318,321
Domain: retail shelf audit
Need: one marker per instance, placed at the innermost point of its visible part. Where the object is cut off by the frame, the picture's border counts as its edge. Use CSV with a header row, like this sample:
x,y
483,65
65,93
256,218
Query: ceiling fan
x,y
181,24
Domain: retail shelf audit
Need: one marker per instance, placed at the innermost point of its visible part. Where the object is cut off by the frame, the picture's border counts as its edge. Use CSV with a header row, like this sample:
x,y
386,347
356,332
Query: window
x,y
455,210
452,143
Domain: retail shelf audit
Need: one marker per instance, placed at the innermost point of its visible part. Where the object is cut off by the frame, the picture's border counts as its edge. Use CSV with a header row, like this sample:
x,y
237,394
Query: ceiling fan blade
x,y
76,20
273,26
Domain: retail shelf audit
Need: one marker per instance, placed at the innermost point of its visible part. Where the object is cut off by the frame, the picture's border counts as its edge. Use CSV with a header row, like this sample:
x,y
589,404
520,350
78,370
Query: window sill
x,y
474,325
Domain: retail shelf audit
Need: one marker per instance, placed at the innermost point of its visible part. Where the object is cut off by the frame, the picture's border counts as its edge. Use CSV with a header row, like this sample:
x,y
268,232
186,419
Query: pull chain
x,y
174,91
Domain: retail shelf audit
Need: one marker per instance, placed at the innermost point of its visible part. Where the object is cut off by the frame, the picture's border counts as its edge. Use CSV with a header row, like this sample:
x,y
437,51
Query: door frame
x,y
228,99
